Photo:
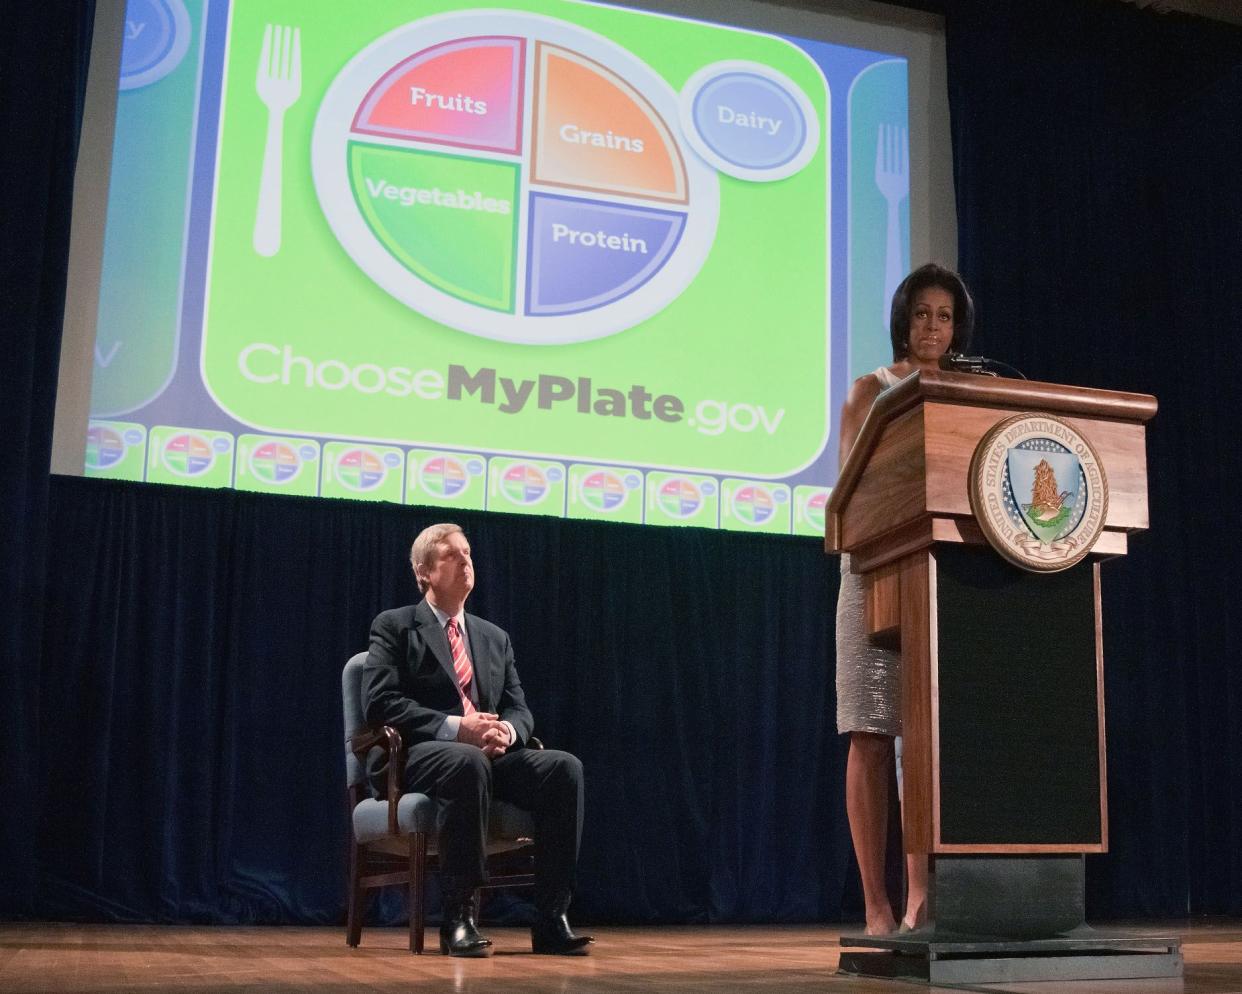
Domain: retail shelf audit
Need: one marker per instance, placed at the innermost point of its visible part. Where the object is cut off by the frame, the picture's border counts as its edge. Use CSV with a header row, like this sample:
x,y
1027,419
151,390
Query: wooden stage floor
x,y
685,959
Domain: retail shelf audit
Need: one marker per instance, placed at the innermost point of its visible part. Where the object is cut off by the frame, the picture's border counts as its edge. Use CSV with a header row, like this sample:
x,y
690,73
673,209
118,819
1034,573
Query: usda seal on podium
x,y
1038,491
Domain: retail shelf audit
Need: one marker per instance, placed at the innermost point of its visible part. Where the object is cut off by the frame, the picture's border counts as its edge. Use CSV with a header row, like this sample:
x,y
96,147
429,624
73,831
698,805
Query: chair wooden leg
x,y
353,923
418,861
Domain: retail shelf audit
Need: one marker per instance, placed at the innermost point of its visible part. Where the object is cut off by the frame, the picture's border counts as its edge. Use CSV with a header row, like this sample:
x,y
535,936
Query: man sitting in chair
x,y
446,681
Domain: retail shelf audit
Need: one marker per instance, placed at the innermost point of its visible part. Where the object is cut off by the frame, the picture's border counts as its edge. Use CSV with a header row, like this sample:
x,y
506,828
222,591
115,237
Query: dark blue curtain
x,y
1096,152
44,49
194,767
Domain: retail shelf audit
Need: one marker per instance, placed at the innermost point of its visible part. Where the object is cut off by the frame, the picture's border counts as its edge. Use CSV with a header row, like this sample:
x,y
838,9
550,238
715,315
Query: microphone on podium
x,y
955,362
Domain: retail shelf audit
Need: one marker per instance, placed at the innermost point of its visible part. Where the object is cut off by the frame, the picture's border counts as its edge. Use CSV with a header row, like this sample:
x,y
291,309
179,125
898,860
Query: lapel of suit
x,y
480,659
437,641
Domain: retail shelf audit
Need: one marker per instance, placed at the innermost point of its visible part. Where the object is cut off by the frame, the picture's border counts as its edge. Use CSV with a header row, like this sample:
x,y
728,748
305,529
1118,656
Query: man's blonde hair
x,y
423,551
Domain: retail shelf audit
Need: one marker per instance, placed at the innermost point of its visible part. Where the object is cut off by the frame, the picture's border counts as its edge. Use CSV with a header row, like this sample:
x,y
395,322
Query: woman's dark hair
x,y
931,275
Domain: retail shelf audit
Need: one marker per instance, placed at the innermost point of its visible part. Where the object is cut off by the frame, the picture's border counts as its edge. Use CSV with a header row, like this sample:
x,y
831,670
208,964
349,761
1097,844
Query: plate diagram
x,y
513,176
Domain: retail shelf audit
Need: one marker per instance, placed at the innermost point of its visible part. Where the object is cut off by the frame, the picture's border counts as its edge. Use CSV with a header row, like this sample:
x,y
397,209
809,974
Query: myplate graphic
x,y
539,256
445,479
499,231
362,472
506,174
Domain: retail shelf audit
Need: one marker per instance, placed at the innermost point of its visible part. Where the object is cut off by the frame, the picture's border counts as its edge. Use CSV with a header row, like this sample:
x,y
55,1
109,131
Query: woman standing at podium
x,y
932,313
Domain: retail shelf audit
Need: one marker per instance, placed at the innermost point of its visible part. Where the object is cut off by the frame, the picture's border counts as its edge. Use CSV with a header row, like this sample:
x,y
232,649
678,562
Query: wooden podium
x,y
1004,764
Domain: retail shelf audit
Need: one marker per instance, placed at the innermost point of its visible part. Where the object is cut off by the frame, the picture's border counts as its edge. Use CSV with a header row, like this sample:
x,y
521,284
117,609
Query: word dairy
x,y
748,119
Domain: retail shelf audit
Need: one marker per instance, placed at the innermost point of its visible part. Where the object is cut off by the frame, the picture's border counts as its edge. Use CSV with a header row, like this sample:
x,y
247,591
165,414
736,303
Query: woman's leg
x,y
866,803
916,891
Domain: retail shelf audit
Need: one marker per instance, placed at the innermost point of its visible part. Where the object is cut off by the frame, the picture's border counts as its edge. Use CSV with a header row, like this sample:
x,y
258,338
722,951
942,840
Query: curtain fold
x,y
42,90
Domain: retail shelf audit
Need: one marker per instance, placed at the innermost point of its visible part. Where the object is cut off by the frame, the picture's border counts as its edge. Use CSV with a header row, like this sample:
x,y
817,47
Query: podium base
x,y
942,958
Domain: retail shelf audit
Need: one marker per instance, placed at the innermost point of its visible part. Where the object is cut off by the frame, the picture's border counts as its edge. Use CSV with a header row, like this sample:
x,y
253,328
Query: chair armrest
x,y
534,743
388,739
368,738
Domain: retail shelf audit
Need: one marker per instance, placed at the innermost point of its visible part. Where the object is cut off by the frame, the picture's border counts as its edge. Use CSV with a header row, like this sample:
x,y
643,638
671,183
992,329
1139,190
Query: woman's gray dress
x,y
868,676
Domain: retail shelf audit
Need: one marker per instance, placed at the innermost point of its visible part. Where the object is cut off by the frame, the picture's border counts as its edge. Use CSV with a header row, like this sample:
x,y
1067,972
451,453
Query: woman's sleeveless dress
x,y
868,676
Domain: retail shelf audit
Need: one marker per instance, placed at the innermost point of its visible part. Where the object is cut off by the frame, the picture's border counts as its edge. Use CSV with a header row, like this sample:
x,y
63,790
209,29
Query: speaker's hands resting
x,y
486,731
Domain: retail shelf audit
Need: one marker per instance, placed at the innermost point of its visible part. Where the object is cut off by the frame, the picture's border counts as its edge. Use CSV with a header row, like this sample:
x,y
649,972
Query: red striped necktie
x,y
461,664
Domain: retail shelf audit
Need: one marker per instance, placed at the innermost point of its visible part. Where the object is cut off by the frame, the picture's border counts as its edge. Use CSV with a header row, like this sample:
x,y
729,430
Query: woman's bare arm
x,y
857,406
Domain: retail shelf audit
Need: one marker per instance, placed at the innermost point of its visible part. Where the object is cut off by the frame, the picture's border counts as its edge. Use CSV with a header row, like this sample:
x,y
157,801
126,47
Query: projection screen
x,y
536,256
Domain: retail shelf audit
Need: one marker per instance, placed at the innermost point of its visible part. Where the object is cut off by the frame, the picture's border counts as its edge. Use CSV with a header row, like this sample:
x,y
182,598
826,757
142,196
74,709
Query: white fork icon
x,y
892,178
279,83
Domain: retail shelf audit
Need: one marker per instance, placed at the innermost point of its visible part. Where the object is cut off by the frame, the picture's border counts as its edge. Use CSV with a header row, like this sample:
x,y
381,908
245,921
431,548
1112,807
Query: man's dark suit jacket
x,y
408,679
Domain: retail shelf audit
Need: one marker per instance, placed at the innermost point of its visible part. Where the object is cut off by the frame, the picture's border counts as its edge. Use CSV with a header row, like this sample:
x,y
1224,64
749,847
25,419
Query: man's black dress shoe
x,y
552,935
459,935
